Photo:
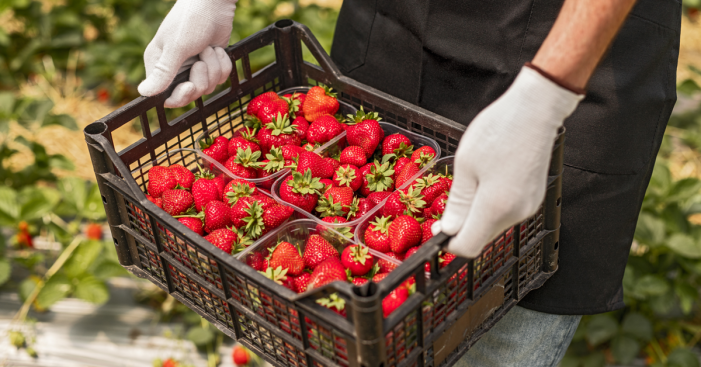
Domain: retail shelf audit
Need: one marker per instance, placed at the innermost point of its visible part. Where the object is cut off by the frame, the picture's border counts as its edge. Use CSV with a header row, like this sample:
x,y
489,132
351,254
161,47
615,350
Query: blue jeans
x,y
523,338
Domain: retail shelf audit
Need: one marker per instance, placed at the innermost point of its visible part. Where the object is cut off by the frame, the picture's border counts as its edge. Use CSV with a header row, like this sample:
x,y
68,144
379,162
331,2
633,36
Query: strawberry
x,y
318,102
377,235
359,281
397,144
393,300
238,188
277,133
376,198
241,210
264,201
404,232
333,163
357,259
325,128
240,142
257,261
290,152
438,206
445,259
302,126
364,131
295,101
408,172
330,270
317,250
255,104
270,110
301,190
411,251
276,215
216,216
177,201
358,208
377,177
301,281
431,188
335,201
287,256
182,176
205,189
274,162
334,303
406,201
160,179
220,181
223,238
379,276
195,224
327,184
240,354
423,155
354,155
216,148
314,163
244,163
399,165
426,233
387,266
157,201
279,276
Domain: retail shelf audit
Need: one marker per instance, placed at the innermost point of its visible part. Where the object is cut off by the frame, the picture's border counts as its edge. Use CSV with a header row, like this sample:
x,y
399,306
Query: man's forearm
x,y
579,38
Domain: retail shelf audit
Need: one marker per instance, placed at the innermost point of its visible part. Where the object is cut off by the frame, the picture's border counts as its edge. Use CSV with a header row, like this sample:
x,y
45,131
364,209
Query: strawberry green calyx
x,y
247,158
305,184
281,125
276,161
206,143
360,254
381,224
344,231
446,174
248,134
423,159
253,123
203,173
240,190
361,116
404,150
428,181
254,221
353,208
380,176
346,175
332,301
294,104
278,275
242,240
329,91
327,208
412,200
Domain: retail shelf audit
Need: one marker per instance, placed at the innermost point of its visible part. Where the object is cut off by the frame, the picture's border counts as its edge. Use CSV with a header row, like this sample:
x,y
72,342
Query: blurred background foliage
x,y
64,64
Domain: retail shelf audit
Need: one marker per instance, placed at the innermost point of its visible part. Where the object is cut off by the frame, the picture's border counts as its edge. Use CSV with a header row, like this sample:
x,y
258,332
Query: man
x,y
514,71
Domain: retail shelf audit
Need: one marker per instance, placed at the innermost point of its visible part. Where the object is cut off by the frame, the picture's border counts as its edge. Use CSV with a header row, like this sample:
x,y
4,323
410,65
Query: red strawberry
x,y
426,233
358,208
327,184
274,162
244,163
296,100
270,110
314,163
445,259
318,102
423,155
216,215
377,177
221,180
404,232
301,281
325,128
334,303
205,189
317,250
276,215
195,224
287,256
240,354
182,175
438,206
354,155
240,142
242,209
364,131
291,151
376,198
160,179
447,182
257,261
335,201
176,202
217,148
357,259
413,250
379,276
223,238
408,172
330,270
397,144
301,190
387,266
255,104
393,300
399,165
359,281
264,201
431,188
377,235
157,201
277,133
406,201
302,127
334,163
238,188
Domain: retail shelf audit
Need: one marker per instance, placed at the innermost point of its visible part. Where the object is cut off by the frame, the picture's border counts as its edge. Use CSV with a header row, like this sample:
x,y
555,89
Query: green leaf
x,y
56,289
651,285
9,210
596,359
624,349
59,161
638,326
684,189
601,328
93,208
82,258
5,270
682,358
74,192
109,269
61,120
7,102
687,296
27,287
91,289
684,245
200,336
34,111
37,202
661,178
663,304
650,230
688,86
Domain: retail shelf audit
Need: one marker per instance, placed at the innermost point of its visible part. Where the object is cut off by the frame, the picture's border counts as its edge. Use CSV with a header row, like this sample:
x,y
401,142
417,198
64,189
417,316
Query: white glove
x,y
192,28
501,164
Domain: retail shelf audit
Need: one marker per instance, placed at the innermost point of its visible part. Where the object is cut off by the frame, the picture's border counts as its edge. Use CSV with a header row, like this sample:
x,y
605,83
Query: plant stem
x,y
660,354
22,313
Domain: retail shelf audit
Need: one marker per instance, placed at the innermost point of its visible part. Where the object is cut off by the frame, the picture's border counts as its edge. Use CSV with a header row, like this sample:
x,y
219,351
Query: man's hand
x,y
193,29
501,165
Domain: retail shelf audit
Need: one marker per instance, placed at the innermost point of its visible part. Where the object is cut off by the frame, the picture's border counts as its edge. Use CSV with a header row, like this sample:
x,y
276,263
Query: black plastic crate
x,y
288,329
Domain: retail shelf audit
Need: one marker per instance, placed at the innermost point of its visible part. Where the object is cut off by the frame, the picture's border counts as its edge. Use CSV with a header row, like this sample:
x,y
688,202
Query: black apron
x,y
454,57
